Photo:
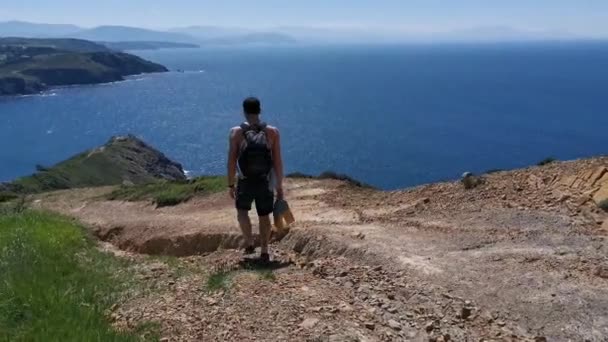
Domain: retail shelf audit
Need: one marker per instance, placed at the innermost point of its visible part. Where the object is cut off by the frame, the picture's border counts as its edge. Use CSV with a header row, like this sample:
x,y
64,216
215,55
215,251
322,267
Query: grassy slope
x,y
55,285
82,170
166,193
109,165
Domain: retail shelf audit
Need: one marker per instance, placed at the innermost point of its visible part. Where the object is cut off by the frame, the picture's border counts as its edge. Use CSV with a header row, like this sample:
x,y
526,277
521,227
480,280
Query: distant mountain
x,y
25,29
63,44
131,34
234,36
210,32
253,38
136,45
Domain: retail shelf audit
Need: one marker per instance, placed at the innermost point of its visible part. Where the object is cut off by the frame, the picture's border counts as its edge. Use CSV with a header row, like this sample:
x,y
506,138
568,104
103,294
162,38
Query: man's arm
x,y
278,162
232,156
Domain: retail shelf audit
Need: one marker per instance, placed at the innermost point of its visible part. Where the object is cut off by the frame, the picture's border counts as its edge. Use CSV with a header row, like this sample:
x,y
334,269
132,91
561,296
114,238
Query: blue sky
x,y
589,17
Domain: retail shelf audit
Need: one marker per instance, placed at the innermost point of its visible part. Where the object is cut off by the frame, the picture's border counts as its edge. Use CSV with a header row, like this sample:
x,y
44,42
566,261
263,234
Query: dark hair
x,y
252,106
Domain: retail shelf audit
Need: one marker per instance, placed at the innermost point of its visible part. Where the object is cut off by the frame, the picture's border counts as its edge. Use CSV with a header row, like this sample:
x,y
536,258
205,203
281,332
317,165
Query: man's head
x,y
252,106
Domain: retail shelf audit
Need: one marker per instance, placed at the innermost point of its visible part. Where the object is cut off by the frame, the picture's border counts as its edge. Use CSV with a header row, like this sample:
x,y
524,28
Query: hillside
x,y
60,44
25,29
121,160
515,255
31,65
129,34
147,45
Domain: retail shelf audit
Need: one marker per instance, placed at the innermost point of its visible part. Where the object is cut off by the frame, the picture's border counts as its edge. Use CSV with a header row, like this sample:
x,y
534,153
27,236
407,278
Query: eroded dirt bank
x,y
522,256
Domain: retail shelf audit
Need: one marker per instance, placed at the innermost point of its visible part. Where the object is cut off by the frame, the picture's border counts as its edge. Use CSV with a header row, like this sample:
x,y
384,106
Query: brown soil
x,y
521,257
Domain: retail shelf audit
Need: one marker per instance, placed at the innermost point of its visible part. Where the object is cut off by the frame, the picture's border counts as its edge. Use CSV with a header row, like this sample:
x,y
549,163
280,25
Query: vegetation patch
x,y
56,286
6,196
169,193
603,205
266,274
219,281
121,159
547,161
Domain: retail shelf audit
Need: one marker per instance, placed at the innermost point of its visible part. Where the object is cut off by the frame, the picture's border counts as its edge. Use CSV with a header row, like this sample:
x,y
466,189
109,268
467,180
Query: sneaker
x,y
264,258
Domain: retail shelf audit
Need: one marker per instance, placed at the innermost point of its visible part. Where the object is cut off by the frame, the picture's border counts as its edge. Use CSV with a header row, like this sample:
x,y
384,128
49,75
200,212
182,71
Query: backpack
x,y
255,158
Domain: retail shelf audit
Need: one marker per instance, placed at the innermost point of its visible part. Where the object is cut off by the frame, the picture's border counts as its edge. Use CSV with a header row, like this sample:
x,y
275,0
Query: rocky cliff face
x,y
18,85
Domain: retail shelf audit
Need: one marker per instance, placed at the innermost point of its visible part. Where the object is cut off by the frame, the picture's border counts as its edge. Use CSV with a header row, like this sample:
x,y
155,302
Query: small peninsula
x,y
29,66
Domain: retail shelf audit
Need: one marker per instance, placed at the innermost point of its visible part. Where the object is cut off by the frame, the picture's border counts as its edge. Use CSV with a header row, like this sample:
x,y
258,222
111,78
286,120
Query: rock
x,y
358,236
392,310
605,226
602,271
601,197
394,324
370,325
342,338
164,339
597,175
465,312
309,323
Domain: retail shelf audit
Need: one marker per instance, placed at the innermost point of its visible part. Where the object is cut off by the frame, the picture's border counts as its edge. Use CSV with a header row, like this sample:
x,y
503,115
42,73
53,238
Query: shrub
x,y
6,196
547,161
603,205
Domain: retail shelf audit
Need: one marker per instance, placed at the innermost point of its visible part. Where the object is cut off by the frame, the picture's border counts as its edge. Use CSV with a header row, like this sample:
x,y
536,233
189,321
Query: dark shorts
x,y
250,190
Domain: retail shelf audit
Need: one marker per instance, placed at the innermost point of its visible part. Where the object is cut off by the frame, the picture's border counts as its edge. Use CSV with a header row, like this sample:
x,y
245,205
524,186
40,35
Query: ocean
x,y
390,116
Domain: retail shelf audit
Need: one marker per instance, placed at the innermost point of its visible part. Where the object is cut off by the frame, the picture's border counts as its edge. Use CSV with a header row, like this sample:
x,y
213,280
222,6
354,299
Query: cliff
x,y
29,66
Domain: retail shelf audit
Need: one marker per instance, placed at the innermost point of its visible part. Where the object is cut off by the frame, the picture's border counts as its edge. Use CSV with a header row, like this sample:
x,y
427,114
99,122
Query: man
x,y
254,164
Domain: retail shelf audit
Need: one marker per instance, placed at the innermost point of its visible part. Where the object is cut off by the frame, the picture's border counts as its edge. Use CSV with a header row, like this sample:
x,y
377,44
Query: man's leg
x,y
265,229
244,198
264,202
245,224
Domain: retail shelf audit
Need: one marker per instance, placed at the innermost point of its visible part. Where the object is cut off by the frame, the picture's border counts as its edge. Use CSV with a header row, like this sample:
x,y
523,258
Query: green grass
x,y
219,281
265,274
222,280
80,171
547,161
55,285
168,193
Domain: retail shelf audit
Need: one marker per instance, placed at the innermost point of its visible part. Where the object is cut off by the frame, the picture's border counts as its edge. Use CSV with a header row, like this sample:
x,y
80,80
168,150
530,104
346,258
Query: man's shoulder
x,y
235,132
272,129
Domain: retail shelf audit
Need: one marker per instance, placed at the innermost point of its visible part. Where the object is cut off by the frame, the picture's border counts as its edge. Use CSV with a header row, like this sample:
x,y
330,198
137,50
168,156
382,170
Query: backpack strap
x,y
246,127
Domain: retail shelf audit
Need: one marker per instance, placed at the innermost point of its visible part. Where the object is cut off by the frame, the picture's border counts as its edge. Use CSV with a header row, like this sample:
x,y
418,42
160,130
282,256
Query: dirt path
x,y
521,256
